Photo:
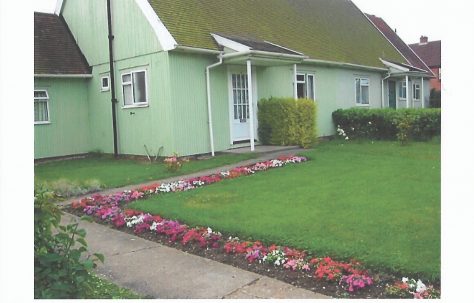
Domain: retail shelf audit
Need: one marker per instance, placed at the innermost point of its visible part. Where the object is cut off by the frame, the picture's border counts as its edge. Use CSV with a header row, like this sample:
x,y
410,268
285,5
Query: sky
x,y
411,18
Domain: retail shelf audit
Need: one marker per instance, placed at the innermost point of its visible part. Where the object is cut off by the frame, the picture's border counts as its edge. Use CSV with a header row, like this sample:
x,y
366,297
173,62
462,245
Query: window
x,y
134,89
402,92
104,83
362,91
240,93
305,86
41,106
416,91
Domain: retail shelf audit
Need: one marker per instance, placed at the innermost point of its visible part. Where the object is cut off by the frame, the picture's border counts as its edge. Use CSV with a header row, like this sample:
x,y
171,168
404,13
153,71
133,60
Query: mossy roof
x,y
333,30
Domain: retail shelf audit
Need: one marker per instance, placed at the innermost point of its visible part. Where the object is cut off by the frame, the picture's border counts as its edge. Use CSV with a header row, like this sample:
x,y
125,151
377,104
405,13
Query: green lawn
x,y
378,202
111,172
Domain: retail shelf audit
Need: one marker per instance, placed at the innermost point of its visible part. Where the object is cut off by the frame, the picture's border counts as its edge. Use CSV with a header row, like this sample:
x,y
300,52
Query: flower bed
x,y
337,278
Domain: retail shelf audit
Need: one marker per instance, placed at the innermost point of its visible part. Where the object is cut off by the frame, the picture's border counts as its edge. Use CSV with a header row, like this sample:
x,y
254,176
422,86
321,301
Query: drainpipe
x,y
250,92
383,93
422,93
407,92
112,77
209,110
295,80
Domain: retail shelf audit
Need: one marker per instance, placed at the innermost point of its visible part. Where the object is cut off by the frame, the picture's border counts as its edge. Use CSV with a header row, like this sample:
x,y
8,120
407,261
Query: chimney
x,y
423,40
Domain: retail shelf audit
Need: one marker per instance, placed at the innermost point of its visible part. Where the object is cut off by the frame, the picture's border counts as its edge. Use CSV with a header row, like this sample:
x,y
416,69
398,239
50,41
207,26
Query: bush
x,y
66,188
62,265
385,124
286,121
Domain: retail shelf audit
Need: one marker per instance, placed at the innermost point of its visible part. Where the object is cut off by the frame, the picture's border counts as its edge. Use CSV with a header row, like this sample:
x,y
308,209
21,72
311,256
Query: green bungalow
x,y
187,75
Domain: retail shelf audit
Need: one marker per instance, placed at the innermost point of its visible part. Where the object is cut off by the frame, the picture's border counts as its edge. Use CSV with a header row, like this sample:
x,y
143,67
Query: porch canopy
x,y
407,73
250,52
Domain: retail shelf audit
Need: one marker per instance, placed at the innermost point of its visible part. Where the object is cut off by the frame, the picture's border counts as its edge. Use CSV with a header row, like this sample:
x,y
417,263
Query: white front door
x,y
239,104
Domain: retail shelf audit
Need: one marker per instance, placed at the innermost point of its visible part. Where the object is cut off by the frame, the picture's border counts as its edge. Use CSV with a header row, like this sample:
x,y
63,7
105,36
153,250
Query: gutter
x,y
209,109
112,77
197,50
84,76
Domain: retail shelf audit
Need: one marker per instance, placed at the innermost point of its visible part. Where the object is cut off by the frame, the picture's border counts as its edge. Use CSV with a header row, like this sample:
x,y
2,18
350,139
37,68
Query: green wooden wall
x,y
68,132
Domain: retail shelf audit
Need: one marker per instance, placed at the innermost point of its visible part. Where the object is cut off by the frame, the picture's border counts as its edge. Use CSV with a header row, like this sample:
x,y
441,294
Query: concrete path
x,y
265,154
162,272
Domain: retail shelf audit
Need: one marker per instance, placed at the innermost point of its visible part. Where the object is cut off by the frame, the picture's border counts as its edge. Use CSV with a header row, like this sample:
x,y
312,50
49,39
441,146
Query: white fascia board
x,y
238,47
395,66
63,75
164,37
59,6
288,49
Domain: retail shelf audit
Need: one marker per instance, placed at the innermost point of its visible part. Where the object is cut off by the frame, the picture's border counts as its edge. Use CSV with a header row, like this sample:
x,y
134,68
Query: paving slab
x,y
154,270
268,288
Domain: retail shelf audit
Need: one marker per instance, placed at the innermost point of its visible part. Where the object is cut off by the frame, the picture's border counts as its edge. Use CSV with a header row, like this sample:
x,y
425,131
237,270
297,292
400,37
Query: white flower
x,y
420,287
209,230
404,279
347,138
370,123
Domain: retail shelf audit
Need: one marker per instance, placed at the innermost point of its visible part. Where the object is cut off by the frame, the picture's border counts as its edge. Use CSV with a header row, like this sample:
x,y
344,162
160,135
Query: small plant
x,y
275,257
64,188
62,265
342,133
410,288
354,282
404,126
173,163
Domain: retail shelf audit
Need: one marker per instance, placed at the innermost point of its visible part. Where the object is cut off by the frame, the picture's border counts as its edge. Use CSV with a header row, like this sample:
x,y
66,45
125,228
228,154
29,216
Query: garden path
x,y
267,154
158,271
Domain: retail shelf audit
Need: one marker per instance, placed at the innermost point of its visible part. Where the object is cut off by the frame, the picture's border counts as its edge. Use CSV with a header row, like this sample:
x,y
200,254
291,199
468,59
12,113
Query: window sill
x,y
135,106
43,123
362,105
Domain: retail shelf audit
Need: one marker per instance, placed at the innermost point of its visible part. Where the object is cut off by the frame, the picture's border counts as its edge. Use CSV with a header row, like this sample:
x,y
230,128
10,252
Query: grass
x,y
112,173
103,289
377,202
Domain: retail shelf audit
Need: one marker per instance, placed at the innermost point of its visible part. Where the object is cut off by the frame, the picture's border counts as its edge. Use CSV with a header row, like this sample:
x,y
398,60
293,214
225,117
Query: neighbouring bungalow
x,y
430,52
408,85
187,75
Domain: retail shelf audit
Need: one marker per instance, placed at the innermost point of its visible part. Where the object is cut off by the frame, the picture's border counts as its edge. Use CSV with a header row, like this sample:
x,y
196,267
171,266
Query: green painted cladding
x,y
137,126
68,132
189,103
87,20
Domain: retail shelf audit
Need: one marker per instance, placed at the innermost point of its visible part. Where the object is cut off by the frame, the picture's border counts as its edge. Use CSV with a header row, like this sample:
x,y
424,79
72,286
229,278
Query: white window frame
x,y
102,87
135,104
358,102
403,84
43,99
439,74
305,82
416,87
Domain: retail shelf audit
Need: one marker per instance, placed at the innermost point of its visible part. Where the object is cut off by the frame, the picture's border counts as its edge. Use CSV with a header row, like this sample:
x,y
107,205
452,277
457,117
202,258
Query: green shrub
x,y
66,188
383,124
286,121
62,265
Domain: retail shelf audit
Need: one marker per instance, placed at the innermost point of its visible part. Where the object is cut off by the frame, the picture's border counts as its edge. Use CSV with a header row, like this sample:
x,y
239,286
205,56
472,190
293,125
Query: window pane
x,y
139,87
300,78
41,111
127,94
364,81
127,78
301,87
364,94
40,94
105,82
310,85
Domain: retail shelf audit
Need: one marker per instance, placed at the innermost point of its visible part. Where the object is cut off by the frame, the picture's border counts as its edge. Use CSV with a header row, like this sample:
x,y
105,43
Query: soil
x,y
301,279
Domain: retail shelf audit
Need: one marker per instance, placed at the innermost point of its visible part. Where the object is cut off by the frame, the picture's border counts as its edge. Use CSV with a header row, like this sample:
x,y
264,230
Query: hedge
x,y
424,124
287,121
